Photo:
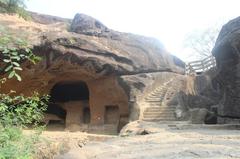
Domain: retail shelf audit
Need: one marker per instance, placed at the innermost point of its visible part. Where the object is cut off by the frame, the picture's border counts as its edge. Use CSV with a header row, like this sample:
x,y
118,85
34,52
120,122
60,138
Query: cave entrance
x,y
69,91
73,98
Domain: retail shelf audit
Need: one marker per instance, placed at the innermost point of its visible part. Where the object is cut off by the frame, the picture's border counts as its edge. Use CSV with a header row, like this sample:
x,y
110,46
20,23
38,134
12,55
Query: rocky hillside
x,y
89,44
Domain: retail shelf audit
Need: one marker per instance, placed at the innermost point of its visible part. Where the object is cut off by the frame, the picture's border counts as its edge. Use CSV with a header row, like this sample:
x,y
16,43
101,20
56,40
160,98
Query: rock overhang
x,y
125,53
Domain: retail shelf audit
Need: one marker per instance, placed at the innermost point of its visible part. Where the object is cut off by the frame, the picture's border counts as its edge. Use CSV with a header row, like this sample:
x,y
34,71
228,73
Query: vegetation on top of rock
x,y
13,52
14,6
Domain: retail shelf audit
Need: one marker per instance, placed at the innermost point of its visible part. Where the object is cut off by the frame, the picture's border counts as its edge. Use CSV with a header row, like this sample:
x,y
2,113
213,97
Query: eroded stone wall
x,y
106,92
103,92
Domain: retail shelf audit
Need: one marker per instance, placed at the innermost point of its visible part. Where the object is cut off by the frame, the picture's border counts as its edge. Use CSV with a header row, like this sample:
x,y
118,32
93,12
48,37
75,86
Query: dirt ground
x,y
164,141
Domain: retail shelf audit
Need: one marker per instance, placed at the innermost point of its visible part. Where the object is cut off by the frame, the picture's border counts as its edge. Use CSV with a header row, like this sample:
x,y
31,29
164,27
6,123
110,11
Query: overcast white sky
x,y
167,20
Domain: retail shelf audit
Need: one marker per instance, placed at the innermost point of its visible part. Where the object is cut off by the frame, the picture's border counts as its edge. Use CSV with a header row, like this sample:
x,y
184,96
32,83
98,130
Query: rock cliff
x,y
114,66
89,44
227,55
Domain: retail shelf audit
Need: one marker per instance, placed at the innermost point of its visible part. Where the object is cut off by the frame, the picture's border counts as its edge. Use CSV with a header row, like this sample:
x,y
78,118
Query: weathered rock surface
x,y
84,24
47,19
199,98
93,48
169,141
227,56
92,55
155,87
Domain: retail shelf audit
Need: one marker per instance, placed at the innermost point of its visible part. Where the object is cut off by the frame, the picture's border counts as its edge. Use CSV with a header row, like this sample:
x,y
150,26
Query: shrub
x,y
14,6
15,145
20,110
13,51
17,111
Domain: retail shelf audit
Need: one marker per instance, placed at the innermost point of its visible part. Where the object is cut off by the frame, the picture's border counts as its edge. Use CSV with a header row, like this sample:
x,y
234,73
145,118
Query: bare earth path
x,y
165,143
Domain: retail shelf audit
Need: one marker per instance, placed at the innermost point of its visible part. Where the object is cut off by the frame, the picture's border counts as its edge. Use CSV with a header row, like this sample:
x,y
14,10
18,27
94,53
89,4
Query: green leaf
x,y
22,55
8,68
5,51
27,50
18,77
11,74
14,53
16,64
7,60
15,58
13,49
18,68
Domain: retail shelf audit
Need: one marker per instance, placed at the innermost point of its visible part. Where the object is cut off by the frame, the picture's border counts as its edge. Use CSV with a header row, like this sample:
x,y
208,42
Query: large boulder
x,y
201,94
227,53
85,24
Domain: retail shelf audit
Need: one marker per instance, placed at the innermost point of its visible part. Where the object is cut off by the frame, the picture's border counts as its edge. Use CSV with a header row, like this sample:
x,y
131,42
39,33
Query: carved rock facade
x,y
83,69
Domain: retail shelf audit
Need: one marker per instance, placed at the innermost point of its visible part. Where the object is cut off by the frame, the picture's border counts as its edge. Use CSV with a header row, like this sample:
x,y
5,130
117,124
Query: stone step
x,y
160,108
160,97
159,116
157,99
156,111
156,96
155,105
159,119
166,111
158,92
159,113
154,101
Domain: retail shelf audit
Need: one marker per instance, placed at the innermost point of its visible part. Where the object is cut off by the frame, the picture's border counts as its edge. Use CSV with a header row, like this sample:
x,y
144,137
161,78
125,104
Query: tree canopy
x,y
14,6
201,42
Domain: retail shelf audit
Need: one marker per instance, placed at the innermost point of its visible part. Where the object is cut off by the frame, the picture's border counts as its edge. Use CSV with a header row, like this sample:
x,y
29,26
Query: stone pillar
x,y
74,111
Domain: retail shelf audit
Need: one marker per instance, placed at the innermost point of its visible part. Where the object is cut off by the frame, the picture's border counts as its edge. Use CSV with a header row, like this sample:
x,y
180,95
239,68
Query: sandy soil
x,y
57,142
166,142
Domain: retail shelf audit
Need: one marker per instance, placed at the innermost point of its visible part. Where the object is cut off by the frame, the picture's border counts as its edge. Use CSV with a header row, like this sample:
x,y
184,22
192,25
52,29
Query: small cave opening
x,y
86,115
69,103
212,118
112,114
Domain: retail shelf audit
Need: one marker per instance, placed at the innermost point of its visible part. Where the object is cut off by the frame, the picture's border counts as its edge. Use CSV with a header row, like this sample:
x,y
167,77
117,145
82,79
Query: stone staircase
x,y
156,110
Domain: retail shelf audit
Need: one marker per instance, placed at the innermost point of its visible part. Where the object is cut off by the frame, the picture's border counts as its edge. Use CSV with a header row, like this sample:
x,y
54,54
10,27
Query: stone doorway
x,y
86,115
112,114
73,97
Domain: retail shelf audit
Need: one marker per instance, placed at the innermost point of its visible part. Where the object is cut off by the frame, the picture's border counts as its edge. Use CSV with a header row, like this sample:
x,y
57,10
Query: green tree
x,y
14,6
